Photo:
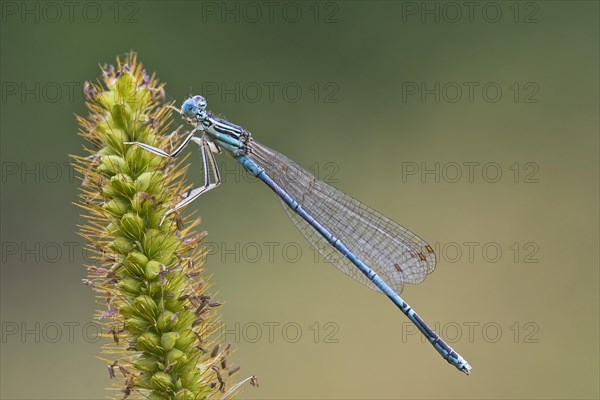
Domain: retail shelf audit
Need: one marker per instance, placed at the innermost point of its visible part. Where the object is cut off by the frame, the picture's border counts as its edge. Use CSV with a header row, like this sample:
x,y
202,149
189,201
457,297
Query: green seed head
x,y
151,281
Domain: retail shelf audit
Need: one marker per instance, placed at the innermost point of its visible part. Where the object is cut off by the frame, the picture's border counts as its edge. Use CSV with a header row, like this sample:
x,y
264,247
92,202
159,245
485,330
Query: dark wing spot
x,y
398,267
429,249
422,256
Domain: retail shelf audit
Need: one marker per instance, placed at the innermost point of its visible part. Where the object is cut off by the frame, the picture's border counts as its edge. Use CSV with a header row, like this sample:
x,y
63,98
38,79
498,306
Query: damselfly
x,y
358,240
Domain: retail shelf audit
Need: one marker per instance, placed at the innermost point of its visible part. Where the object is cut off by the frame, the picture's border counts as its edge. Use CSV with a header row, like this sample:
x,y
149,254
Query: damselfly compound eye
x,y
189,109
200,102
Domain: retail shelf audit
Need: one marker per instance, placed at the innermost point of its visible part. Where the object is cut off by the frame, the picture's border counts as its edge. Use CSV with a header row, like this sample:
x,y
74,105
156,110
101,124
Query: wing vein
x,y
397,255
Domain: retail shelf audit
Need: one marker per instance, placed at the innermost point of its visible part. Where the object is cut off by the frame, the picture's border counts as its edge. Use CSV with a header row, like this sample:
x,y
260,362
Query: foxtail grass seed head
x,y
147,275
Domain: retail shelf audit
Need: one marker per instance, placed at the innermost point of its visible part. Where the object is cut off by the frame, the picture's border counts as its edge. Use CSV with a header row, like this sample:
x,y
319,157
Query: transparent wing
x,y
397,255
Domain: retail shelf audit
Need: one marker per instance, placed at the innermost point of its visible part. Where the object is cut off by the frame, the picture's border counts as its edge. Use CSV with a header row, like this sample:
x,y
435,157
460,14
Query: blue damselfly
x,y
358,240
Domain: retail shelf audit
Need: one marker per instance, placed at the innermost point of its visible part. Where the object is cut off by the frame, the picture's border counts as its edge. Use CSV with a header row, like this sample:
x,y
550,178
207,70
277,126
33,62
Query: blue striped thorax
x,y
230,137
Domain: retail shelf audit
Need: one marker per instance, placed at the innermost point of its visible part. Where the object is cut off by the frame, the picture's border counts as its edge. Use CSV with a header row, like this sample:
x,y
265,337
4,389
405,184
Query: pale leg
x,y
209,163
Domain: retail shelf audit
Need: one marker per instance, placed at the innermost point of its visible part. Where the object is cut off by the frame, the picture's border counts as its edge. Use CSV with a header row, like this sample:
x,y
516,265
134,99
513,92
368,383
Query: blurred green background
x,y
413,107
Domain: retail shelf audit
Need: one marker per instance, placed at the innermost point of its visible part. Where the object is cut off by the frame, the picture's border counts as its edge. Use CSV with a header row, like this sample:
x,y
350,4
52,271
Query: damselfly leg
x,y
210,164
208,161
161,152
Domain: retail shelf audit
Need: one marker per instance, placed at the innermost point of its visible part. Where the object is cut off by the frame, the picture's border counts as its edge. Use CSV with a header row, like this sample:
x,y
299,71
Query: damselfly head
x,y
193,106
189,109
